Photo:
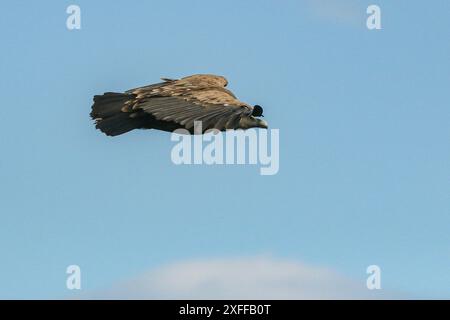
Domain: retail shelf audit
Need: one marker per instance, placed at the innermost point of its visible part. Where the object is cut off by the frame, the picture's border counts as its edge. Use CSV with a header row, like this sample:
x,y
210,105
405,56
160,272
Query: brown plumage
x,y
174,104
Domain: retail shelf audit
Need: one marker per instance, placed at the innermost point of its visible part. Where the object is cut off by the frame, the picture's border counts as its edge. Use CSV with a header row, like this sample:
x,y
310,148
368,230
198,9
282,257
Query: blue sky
x,y
364,141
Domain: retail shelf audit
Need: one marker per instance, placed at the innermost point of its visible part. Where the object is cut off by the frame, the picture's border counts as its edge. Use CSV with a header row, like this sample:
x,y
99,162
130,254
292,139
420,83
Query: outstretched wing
x,y
195,98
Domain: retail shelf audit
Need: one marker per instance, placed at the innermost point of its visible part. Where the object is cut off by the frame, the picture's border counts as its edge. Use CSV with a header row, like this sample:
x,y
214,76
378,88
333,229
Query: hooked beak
x,y
263,124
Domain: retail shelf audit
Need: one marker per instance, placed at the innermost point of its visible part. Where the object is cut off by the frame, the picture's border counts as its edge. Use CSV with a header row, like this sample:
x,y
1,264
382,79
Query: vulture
x,y
173,104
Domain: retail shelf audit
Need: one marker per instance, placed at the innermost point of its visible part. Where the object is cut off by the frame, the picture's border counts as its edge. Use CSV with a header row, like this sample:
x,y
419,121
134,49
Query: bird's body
x,y
174,104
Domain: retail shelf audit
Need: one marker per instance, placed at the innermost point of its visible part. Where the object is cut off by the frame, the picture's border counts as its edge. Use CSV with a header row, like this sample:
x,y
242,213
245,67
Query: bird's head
x,y
252,122
260,123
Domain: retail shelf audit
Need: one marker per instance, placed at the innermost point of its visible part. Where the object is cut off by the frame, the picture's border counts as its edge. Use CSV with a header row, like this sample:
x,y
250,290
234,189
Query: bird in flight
x,y
174,104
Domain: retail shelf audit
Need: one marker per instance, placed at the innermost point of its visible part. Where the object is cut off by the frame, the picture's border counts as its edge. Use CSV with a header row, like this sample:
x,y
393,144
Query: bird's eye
x,y
257,111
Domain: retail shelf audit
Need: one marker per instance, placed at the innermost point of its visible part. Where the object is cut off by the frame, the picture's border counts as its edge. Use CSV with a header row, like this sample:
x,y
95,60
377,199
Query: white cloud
x,y
341,11
240,278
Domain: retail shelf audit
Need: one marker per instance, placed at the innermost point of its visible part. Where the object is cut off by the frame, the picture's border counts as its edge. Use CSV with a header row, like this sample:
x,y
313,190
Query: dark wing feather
x,y
198,98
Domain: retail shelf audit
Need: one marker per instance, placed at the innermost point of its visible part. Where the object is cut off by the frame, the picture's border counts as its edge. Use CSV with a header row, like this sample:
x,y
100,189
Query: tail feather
x,y
107,112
